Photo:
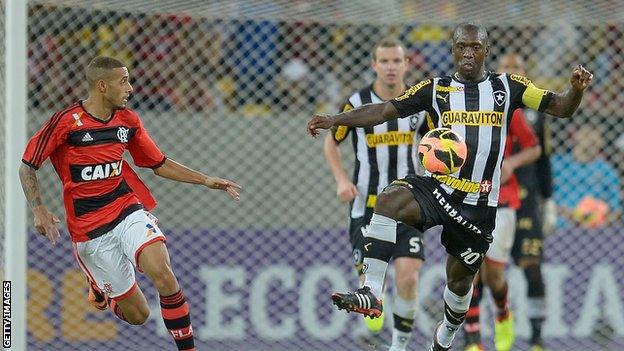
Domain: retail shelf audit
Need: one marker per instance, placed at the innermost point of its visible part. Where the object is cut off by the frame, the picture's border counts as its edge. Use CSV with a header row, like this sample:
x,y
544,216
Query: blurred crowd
x,y
182,63
255,68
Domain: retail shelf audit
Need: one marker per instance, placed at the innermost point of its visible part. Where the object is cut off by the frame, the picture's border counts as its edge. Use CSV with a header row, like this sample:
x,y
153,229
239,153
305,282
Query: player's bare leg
x,y
407,270
395,203
154,261
494,277
457,294
132,308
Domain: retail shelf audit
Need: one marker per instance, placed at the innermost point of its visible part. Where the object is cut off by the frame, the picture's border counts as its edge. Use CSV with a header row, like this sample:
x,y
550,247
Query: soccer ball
x,y
442,151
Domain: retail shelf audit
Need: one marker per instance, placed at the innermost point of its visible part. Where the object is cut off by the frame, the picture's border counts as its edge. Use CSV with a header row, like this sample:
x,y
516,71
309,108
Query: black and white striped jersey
x,y
480,112
383,153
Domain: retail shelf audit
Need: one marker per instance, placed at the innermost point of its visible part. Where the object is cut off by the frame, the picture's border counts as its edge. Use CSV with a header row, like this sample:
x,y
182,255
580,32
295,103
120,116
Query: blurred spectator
x,y
155,48
115,40
196,69
293,82
432,40
554,44
254,55
586,186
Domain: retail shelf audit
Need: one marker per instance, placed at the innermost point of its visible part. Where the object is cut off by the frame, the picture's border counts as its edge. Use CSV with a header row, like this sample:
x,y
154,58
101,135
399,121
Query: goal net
x,y
227,87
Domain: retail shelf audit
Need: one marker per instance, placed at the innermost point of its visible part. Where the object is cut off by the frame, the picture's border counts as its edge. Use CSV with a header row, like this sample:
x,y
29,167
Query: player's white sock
x,y
375,274
404,313
455,309
380,238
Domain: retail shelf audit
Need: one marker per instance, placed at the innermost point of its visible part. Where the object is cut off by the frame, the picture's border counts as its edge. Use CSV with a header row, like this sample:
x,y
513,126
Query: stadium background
x,y
228,86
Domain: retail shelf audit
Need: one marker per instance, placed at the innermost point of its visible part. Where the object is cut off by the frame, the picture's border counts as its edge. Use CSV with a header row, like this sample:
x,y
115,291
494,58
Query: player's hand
x,y
45,223
580,78
346,191
320,121
507,170
223,184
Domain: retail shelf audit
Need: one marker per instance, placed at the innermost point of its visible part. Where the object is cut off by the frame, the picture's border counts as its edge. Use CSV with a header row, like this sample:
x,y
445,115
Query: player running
x,y
107,204
377,164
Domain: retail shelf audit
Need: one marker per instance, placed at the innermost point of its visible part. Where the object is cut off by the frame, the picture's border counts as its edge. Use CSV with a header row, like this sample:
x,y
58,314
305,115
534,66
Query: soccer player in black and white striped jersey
x,y
383,153
478,105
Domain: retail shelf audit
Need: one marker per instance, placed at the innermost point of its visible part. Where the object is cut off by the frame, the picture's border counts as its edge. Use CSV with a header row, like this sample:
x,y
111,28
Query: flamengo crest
x,y
122,134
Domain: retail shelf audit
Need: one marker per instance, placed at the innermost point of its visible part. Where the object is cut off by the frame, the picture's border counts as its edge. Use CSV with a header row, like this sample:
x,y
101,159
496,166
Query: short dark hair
x,y
470,27
100,67
388,42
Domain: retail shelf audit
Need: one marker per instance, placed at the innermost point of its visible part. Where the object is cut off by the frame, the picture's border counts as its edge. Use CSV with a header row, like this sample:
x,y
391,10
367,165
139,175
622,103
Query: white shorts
x,y
504,233
108,260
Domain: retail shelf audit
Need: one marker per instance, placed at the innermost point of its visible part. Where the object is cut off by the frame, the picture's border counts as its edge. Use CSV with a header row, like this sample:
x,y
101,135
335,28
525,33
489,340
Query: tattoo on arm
x,y
30,185
564,104
367,115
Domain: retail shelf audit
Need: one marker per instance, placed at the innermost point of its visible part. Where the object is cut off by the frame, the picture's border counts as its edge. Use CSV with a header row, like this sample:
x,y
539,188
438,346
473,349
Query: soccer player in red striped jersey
x,y
107,204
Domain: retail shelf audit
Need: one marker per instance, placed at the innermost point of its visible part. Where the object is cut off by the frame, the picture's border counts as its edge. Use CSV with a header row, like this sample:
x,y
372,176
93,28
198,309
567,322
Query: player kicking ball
x,y
477,105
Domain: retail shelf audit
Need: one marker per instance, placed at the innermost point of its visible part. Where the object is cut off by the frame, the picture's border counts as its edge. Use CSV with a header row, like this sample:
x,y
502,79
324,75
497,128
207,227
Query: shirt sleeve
x,y
340,133
46,140
526,94
143,149
415,99
521,131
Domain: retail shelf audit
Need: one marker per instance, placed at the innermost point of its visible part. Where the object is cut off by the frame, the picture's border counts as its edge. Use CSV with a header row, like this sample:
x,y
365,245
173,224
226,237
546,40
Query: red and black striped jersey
x,y
520,136
99,188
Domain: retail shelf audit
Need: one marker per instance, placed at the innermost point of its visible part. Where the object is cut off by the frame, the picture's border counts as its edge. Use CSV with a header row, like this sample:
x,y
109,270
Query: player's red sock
x,y
112,304
500,300
175,312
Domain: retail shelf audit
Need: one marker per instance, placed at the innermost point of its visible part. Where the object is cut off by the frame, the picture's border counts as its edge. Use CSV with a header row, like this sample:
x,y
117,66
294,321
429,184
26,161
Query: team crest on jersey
x,y
417,120
122,134
499,97
108,288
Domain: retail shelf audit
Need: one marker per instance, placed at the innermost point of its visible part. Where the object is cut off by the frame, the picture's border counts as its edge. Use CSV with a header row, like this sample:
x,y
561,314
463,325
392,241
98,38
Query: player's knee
x,y
407,282
385,204
392,200
138,316
495,280
163,278
460,286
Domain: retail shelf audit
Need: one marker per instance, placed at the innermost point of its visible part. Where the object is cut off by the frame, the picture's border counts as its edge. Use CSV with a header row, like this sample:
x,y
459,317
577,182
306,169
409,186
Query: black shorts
x,y
529,241
467,229
409,241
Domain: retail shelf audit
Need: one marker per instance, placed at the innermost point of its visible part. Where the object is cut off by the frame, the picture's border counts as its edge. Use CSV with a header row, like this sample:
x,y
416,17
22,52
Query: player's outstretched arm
x,y
45,222
170,169
564,104
363,116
